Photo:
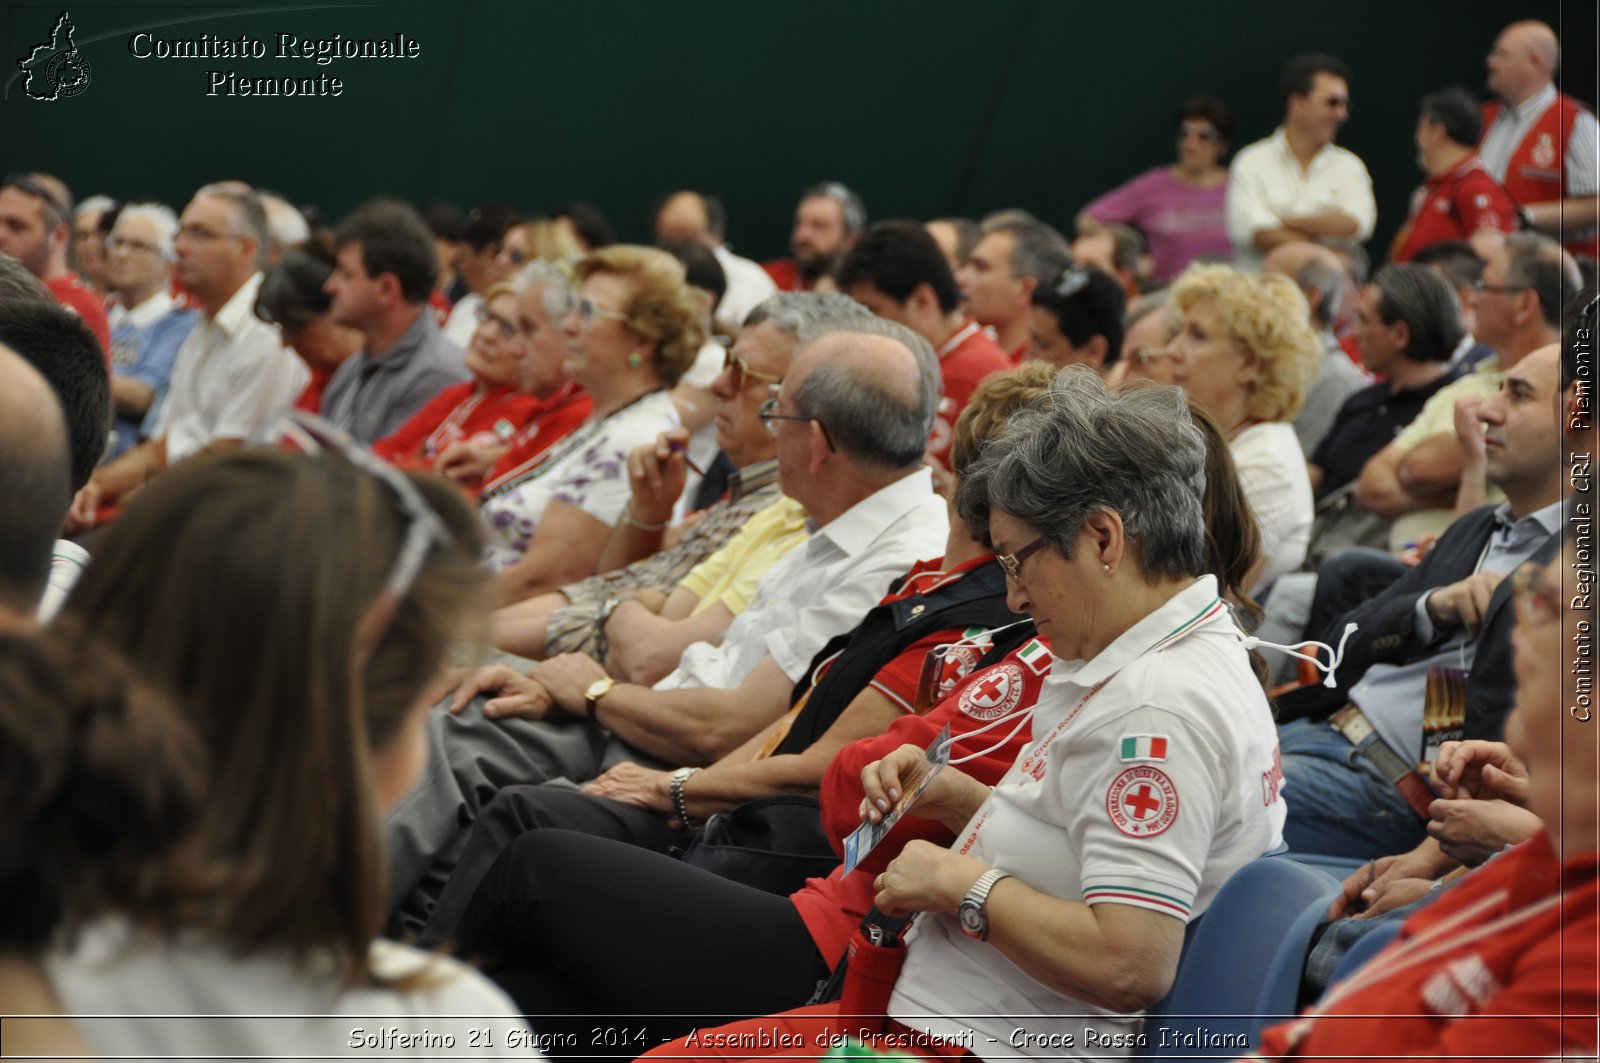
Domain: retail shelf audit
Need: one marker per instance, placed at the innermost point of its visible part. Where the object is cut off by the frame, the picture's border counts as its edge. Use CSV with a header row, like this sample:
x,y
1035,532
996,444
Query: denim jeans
x,y
1338,804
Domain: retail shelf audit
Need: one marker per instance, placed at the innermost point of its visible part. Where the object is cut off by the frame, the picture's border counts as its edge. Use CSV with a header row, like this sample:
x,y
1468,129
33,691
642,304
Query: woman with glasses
x,y
1179,208
635,328
297,609
1058,914
1245,351
488,409
544,297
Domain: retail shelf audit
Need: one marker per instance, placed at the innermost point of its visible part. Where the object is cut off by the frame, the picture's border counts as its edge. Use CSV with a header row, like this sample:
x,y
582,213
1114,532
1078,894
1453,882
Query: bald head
x,y
1318,272
688,217
1524,59
35,481
873,385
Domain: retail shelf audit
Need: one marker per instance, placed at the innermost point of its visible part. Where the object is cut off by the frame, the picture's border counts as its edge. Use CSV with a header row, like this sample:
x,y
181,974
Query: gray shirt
x,y
371,397
1337,379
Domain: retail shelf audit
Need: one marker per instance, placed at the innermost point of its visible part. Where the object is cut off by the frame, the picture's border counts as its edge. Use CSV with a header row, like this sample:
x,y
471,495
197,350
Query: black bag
x,y
771,843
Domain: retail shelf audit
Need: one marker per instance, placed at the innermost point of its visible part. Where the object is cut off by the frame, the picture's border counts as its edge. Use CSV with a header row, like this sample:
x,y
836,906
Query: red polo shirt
x,y
72,294
1452,206
966,357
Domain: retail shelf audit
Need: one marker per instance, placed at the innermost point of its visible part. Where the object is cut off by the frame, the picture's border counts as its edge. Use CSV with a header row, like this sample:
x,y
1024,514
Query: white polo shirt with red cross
x,y
1153,775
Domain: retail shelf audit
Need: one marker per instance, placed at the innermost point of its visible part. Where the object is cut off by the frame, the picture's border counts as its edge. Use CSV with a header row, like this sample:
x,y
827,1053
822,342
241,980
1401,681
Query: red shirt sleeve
x,y
1483,204
404,445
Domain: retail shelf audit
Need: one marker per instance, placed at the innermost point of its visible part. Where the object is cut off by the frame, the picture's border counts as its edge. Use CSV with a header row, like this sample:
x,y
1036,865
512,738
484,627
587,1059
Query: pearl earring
x,y
1107,568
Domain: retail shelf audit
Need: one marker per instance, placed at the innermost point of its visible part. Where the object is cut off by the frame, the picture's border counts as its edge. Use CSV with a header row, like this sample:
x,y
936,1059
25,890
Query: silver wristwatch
x,y
973,913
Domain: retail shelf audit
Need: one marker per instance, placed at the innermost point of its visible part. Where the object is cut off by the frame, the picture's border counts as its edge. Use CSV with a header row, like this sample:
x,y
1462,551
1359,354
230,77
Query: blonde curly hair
x,y
1269,316
663,308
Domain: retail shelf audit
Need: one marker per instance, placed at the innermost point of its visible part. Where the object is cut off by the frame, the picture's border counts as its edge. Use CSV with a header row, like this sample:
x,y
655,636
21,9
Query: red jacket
x,y
1537,169
457,412
833,907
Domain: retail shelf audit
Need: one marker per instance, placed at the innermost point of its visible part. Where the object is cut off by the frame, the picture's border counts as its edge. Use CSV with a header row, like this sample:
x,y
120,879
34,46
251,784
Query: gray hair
x,y
1037,250
555,284
867,423
851,207
159,215
1538,263
1078,450
18,285
248,214
98,202
285,224
1317,274
799,312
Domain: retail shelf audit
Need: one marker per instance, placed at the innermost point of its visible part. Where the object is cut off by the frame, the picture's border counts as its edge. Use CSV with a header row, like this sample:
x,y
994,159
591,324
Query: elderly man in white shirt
x,y
846,421
232,371
1298,184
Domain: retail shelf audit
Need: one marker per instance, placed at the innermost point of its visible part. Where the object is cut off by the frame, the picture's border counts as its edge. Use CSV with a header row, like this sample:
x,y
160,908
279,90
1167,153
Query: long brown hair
x,y
236,585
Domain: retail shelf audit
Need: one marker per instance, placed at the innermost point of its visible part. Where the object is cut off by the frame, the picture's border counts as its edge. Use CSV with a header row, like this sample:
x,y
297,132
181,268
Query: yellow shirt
x,y
1439,412
730,575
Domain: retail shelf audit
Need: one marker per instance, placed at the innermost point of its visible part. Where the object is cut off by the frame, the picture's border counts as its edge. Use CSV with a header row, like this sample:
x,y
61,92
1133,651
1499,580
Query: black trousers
x,y
645,946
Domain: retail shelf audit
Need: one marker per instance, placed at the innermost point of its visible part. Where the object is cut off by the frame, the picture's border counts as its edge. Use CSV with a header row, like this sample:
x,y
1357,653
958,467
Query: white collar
x,y
1534,105
240,307
148,312
858,527
1192,608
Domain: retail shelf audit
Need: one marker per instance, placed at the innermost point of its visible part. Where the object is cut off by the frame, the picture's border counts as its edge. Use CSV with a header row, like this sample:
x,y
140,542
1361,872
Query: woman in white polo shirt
x,y
1058,915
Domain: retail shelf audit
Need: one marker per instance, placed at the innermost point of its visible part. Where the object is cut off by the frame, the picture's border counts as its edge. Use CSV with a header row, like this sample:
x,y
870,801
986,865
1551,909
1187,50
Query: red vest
x,y
1536,172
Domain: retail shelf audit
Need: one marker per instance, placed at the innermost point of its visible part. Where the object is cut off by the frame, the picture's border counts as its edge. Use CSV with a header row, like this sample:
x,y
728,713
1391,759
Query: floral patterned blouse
x,y
588,469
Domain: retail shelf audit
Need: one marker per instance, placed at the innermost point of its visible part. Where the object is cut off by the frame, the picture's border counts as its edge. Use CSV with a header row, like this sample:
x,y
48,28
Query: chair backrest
x,y
1210,1010
1280,991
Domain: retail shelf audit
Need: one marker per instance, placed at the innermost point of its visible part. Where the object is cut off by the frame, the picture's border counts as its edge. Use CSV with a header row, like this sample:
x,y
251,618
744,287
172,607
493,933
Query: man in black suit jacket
x,y
1403,667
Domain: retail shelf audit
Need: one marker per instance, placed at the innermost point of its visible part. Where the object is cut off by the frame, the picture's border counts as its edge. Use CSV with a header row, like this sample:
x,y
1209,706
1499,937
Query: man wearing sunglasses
x,y
850,422
36,230
1298,184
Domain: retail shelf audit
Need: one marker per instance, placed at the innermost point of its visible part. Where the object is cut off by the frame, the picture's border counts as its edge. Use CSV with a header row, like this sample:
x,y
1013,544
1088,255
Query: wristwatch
x,y
597,690
973,913
679,809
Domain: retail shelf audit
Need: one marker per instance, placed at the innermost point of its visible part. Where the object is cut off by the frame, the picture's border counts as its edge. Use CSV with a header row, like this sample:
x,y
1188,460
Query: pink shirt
x,y
1180,221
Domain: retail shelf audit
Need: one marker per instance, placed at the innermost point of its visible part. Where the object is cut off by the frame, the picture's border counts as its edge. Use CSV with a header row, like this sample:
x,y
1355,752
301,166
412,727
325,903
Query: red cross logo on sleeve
x,y
993,692
1142,801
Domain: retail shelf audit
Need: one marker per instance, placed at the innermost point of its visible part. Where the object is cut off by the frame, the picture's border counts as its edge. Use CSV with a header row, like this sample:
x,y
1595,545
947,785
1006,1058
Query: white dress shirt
x,y
1266,184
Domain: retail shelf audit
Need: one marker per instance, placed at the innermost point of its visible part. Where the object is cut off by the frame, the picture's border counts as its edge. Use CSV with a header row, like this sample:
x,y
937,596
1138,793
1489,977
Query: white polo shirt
x,y
824,587
231,373
1153,776
1266,185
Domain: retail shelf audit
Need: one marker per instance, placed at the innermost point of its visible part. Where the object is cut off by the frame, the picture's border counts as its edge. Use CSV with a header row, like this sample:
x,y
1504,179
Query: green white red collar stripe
x,y
1189,625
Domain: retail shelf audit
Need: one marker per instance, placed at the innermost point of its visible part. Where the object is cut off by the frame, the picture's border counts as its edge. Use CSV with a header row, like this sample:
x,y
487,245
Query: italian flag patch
x,y
1034,655
1143,747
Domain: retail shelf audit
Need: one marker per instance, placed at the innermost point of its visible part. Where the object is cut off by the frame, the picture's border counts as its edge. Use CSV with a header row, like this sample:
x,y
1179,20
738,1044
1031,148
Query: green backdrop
x,y
929,107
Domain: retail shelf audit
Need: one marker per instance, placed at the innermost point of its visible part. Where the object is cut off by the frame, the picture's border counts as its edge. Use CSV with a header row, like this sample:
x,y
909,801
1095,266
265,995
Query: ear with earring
x,y
634,360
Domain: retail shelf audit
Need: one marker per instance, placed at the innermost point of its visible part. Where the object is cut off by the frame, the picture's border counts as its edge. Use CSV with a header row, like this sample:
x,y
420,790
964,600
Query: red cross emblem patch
x,y
994,692
1142,802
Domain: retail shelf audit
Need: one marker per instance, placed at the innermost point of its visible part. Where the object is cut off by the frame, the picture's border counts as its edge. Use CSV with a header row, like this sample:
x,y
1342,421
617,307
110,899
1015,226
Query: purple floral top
x,y
589,470
1181,222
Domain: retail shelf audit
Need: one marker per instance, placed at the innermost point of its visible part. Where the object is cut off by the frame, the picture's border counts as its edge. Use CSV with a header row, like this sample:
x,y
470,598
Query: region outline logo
x,y
55,70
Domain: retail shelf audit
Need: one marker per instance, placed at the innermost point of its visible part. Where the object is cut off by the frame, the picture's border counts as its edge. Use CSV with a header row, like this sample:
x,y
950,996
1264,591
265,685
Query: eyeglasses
x,y
508,330
1537,601
115,244
27,182
311,434
1012,563
517,256
588,310
769,414
1503,289
203,234
1204,132
733,362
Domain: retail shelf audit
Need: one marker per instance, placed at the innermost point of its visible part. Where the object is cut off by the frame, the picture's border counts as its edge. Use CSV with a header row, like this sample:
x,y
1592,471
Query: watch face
x,y
972,921
597,689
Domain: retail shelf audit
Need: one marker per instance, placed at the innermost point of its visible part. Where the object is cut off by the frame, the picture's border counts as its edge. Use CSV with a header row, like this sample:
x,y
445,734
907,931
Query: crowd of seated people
x,y
467,616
